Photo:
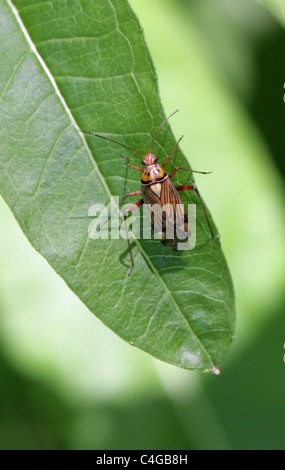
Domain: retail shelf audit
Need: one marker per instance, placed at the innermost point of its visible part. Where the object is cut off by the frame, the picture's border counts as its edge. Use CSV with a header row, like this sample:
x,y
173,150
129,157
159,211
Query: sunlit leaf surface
x,y
92,70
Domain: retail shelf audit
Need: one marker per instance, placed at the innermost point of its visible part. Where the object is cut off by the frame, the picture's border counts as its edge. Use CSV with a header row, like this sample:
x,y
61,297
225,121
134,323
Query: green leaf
x,y
277,7
84,64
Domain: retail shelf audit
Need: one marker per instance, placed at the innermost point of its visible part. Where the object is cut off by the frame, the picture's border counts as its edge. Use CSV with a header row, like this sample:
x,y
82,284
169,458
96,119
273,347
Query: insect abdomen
x,y
167,213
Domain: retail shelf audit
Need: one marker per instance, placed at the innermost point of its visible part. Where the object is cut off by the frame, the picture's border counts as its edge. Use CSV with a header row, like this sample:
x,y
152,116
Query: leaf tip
x,y
215,371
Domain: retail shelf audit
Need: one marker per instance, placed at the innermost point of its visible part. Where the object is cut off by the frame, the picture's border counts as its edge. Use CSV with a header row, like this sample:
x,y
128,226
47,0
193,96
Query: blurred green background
x,y
67,382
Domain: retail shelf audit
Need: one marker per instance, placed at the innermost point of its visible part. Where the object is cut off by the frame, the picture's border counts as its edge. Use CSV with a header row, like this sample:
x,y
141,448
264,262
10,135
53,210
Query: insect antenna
x,y
111,140
165,120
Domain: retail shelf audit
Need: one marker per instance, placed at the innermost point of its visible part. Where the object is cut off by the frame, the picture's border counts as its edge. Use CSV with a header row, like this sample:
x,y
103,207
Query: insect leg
x,y
132,166
130,209
188,169
186,187
172,153
134,193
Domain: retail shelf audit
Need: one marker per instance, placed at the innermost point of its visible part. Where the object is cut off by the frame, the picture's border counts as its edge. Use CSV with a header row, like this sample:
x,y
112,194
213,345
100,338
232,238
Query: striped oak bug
x,y
157,189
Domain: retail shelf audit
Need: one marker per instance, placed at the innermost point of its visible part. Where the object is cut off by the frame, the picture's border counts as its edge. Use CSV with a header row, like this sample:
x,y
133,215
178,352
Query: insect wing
x,y
167,214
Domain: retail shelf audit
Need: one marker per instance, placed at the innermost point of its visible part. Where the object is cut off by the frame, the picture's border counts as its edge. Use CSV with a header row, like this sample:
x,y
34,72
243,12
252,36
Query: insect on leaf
x,y
69,65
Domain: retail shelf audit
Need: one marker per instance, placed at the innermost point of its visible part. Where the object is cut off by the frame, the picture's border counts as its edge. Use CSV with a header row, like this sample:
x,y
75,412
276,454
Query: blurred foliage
x,y
66,382
277,7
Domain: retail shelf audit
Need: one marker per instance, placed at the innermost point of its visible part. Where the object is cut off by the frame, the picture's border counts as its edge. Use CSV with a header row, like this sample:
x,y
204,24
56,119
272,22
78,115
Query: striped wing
x,y
167,213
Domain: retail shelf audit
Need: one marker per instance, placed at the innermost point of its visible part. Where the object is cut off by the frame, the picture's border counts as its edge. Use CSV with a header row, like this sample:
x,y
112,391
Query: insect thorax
x,y
153,174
